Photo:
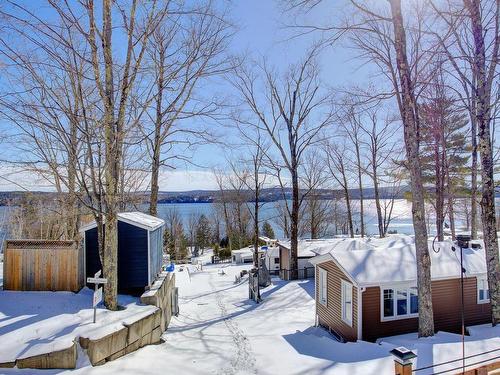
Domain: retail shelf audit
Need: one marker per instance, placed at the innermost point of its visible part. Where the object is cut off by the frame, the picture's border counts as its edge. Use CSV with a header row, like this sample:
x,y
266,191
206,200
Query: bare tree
x,y
185,49
338,165
223,201
381,148
350,122
93,95
316,210
253,176
471,42
292,112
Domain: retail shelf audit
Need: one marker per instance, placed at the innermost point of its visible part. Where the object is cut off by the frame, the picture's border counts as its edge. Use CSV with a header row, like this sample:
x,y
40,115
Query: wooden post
x,y
403,360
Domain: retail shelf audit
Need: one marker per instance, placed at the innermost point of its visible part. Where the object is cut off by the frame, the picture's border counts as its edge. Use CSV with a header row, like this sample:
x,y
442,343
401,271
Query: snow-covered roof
x,y
398,264
310,248
245,250
138,219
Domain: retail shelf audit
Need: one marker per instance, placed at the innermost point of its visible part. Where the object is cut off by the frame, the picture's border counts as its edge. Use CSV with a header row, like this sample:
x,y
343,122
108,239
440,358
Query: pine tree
x,y
267,230
203,233
445,155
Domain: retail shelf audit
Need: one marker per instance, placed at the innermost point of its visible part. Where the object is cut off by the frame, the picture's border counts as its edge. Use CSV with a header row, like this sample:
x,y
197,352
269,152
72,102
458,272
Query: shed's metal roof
x,y
138,219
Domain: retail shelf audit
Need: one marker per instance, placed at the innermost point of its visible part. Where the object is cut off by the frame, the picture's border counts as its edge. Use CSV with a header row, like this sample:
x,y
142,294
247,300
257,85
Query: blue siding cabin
x,y
140,251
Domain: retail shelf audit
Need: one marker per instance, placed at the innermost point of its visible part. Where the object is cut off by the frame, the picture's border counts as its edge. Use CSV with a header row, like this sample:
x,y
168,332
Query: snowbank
x,y
33,323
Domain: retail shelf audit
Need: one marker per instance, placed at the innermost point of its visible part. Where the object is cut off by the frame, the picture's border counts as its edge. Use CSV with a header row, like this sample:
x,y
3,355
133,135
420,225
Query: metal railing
x,y
460,369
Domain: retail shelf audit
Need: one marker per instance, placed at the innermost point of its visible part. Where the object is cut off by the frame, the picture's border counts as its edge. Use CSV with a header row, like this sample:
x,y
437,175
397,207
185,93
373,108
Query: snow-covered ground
x,y
39,322
219,331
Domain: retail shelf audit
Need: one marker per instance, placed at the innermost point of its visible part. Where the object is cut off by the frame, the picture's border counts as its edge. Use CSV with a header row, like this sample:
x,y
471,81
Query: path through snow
x,y
243,360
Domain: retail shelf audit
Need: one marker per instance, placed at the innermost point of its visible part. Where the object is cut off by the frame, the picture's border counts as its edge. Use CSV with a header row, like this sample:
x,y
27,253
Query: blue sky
x,y
261,33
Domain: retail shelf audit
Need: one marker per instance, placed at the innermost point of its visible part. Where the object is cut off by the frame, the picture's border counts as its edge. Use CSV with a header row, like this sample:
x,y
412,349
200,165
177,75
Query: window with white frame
x,y
399,302
323,286
483,294
346,300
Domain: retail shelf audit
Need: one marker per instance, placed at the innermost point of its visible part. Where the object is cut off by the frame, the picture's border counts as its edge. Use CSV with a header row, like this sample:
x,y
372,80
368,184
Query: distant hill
x,y
209,196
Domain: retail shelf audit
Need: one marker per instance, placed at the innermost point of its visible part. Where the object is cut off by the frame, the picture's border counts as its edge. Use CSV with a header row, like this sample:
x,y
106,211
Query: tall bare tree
x,y
186,49
316,210
94,93
471,42
381,148
350,122
338,165
250,170
292,110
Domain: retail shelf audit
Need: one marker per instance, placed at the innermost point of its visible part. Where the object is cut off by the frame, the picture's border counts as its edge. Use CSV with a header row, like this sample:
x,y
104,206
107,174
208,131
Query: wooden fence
x,y
42,265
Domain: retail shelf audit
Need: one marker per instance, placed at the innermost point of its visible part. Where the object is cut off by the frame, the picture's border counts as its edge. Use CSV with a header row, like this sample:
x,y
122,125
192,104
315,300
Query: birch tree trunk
x,y
409,115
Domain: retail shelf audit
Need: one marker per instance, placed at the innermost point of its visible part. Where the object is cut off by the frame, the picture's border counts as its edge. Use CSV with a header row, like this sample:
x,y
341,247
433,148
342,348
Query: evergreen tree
x,y
267,230
445,156
203,233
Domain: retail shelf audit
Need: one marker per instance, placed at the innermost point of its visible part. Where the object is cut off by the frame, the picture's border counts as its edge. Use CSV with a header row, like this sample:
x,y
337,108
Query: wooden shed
x,y
42,265
140,250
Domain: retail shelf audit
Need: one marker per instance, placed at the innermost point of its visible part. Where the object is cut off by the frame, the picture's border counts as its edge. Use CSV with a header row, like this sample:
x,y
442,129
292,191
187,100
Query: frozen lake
x,y
401,222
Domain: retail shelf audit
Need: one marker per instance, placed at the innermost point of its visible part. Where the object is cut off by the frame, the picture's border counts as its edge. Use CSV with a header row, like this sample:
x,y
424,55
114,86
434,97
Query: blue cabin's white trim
x,y
137,219
149,259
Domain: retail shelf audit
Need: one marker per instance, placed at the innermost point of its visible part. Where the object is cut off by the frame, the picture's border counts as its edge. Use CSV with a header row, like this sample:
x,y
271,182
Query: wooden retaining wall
x,y
41,265
145,328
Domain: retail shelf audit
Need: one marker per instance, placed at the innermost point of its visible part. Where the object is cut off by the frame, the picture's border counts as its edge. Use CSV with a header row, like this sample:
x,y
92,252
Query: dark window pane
x,y
388,303
402,307
413,301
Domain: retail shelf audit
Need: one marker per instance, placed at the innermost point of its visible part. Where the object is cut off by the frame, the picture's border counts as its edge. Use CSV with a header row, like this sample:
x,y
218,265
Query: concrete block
x,y
7,364
101,348
142,326
129,349
156,335
61,359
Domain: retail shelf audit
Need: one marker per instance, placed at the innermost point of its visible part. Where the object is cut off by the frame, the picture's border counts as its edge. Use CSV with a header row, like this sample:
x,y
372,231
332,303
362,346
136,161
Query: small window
x,y
323,286
399,303
388,303
346,296
276,260
483,294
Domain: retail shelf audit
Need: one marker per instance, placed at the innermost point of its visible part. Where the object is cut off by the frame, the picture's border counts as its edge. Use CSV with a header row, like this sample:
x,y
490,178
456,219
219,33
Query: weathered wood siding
x,y
446,305
40,265
331,315
284,263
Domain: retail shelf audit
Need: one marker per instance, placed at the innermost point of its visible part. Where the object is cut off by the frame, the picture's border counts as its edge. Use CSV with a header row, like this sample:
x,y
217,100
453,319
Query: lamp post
x,y
463,243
